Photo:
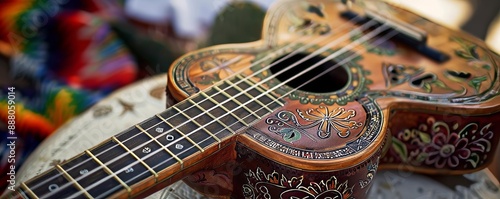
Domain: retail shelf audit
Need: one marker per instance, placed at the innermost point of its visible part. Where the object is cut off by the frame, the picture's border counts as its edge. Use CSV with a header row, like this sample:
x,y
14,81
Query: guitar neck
x,y
158,148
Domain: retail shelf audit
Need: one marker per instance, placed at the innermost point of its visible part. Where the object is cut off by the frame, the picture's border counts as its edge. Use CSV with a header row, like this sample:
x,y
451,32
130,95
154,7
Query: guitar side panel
x,y
259,177
424,140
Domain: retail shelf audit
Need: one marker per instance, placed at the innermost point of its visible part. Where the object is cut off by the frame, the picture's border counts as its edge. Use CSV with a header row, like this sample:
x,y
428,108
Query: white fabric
x,y
188,17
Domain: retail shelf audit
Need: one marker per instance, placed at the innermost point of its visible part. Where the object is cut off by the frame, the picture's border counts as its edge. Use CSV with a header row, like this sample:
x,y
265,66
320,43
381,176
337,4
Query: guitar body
x,y
397,109
312,110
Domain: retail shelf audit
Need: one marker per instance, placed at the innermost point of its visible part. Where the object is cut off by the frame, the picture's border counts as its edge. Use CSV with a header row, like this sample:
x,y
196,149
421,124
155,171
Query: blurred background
x,y
63,56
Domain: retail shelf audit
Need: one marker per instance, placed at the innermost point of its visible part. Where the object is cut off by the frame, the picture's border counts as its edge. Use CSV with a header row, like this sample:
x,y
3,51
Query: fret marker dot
x,y
129,170
53,187
170,137
146,150
179,146
84,171
159,130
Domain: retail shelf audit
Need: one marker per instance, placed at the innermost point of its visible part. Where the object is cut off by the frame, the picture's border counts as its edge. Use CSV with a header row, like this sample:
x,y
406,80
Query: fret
x,y
162,146
223,101
269,100
57,187
24,189
229,90
107,170
172,138
237,108
179,131
85,171
137,158
150,151
228,120
200,122
245,85
253,104
201,117
217,129
121,163
175,119
69,178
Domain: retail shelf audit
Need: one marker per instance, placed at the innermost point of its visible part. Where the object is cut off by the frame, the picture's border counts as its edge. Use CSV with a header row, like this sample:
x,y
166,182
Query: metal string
x,y
354,55
346,36
324,60
232,60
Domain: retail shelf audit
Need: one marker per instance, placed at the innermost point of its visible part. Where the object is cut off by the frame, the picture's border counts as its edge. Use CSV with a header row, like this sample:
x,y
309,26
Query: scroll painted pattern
x,y
397,74
372,170
262,185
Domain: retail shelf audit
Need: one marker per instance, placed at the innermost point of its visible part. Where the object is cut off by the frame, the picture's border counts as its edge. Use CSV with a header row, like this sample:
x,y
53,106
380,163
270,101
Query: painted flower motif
x,y
447,149
338,120
436,144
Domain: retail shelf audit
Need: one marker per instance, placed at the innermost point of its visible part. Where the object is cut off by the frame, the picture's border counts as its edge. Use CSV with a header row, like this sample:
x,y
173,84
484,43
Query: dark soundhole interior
x,y
331,81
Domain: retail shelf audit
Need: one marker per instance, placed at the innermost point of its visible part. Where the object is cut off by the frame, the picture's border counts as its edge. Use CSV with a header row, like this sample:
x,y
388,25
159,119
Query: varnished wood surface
x,y
439,38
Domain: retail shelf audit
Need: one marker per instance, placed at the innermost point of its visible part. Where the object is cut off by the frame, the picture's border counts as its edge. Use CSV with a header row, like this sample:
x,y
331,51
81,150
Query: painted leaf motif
x,y
400,148
427,87
462,54
290,134
473,160
421,157
486,66
426,138
274,178
473,52
440,84
476,82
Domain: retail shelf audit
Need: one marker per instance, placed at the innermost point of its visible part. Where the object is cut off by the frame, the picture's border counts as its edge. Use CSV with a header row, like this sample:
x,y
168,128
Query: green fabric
x,y
150,53
239,22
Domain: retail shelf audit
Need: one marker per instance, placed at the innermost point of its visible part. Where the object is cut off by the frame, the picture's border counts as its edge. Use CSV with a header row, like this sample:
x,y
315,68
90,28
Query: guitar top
x,y
375,87
330,94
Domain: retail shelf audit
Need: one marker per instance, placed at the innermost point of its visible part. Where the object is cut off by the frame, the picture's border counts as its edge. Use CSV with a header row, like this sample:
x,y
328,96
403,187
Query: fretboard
x,y
143,153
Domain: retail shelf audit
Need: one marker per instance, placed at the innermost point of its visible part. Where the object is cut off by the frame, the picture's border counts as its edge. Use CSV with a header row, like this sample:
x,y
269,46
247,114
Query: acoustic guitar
x,y
329,95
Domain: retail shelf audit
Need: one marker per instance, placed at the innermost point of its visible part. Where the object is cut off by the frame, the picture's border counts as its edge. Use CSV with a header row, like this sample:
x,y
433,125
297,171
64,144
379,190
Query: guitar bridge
x,y
406,33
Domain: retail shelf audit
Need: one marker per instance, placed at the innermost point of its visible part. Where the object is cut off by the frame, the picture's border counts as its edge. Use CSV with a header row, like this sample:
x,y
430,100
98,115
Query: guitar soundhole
x,y
331,81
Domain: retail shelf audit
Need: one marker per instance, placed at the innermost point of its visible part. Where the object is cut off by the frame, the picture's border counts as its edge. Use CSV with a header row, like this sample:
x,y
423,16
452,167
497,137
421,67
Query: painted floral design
x,y
446,149
479,60
438,145
469,52
475,78
262,185
337,121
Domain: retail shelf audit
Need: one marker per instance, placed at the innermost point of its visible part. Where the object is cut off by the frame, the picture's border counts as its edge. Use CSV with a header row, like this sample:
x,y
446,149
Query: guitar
x,y
329,95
